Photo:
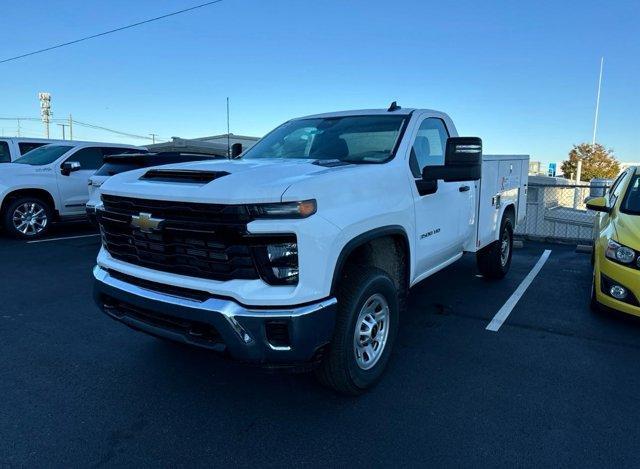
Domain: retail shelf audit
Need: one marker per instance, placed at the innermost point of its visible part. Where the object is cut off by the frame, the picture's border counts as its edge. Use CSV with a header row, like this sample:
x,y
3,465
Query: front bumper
x,y
91,215
278,336
617,274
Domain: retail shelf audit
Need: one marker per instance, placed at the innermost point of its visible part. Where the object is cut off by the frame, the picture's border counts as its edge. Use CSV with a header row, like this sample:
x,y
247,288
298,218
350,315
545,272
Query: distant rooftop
x,y
214,145
232,136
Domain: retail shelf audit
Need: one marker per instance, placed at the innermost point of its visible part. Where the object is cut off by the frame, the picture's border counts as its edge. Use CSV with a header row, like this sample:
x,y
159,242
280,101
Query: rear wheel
x,y
27,217
366,327
494,260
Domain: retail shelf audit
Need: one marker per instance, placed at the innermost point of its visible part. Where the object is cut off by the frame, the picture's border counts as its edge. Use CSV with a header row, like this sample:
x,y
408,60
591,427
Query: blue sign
x,y
552,169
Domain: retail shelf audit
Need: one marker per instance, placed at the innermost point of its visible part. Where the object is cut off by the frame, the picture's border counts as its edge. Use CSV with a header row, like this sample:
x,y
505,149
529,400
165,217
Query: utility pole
x,y
63,126
228,132
70,127
153,137
45,110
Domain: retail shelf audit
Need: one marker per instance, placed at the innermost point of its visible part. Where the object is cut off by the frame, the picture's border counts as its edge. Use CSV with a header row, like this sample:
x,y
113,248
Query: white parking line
x,y
60,239
502,315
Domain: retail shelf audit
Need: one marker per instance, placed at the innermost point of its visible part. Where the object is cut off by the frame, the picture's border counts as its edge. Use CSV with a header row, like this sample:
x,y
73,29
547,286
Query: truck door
x,y
73,187
442,218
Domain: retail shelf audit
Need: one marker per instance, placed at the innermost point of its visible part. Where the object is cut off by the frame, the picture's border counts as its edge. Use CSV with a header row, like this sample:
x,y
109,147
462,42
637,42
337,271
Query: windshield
x,y
43,155
356,139
631,202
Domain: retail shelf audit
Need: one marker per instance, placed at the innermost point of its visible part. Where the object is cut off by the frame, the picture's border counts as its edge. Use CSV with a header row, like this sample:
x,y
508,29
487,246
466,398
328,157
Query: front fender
x,y
361,239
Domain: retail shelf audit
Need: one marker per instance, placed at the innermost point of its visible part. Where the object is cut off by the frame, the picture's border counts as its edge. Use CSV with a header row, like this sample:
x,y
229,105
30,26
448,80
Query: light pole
x,y
595,122
45,110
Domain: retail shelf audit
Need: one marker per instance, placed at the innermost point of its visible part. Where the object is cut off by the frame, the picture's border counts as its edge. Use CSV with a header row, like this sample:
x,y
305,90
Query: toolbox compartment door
x,y
502,184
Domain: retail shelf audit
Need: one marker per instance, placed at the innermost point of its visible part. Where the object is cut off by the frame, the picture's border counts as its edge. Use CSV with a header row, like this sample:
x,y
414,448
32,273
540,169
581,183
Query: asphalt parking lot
x,y
556,385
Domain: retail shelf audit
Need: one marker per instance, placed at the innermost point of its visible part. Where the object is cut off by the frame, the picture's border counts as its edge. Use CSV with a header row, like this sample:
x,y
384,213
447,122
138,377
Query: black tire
x,y
490,259
339,369
593,302
14,207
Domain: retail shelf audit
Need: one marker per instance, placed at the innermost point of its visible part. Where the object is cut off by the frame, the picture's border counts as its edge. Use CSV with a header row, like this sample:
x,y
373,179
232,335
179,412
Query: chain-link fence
x,y
558,212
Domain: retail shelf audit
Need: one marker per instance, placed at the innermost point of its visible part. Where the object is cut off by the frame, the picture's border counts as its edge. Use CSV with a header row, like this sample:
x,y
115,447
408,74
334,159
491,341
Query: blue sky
x,y
521,75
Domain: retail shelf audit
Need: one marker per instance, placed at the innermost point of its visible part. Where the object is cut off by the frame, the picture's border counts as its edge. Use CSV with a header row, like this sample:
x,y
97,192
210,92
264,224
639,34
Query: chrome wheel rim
x,y
372,331
505,248
30,218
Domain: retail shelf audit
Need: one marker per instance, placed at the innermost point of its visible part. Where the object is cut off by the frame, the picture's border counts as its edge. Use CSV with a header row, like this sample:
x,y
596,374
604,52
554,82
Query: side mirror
x,y
462,161
236,150
69,167
427,186
598,204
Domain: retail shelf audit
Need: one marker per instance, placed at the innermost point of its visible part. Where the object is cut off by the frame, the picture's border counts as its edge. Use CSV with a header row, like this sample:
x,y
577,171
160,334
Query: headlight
x,y
619,253
303,209
277,261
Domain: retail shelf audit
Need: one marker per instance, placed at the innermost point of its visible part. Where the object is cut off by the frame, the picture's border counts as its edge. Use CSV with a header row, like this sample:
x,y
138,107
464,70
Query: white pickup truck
x,y
302,251
49,183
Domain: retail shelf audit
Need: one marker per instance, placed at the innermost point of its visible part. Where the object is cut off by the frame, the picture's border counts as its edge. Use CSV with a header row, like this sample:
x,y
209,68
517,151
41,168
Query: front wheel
x,y
27,217
366,327
495,259
593,303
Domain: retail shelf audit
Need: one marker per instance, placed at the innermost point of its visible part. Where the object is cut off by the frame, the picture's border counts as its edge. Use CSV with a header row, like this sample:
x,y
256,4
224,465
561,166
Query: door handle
x,y
464,188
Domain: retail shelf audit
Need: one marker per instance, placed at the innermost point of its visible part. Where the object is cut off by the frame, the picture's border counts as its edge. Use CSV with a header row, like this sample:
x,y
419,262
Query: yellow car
x,y
616,253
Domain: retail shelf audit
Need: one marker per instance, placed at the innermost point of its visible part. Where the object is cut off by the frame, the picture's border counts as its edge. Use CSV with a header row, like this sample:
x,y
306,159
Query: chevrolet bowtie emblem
x,y
145,223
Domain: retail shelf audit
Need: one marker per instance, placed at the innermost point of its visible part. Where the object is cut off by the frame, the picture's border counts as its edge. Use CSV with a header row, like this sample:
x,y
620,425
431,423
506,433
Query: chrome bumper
x,y
243,331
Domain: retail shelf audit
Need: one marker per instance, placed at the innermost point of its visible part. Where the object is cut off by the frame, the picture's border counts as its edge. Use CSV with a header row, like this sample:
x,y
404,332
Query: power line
x,y
93,36
118,132
83,124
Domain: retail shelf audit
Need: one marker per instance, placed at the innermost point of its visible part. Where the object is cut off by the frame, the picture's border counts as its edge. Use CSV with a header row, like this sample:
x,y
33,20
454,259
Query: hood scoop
x,y
330,163
187,176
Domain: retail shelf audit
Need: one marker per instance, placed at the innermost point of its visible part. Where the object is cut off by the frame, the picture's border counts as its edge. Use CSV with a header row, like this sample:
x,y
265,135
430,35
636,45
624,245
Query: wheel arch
x,y
391,232
509,211
42,194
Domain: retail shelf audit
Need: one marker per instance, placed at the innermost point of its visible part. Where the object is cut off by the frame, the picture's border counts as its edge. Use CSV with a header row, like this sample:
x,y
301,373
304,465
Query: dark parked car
x,y
116,164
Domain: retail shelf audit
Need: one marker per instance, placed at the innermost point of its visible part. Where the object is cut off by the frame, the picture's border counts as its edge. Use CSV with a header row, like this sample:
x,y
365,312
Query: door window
x,y
89,158
616,189
28,146
5,154
429,146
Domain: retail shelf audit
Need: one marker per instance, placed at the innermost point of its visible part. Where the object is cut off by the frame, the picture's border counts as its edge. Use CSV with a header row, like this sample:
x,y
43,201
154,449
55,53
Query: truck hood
x,y
247,181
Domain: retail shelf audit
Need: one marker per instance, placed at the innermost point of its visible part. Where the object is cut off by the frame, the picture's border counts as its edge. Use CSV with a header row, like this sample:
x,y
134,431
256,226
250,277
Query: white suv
x,y
49,183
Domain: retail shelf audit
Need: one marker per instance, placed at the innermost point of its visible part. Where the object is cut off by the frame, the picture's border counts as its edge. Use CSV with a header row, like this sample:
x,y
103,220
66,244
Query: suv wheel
x,y
495,259
27,217
366,327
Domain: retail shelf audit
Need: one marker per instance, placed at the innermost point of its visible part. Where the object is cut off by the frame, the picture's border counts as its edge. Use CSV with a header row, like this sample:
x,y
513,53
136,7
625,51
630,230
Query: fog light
x,y
618,292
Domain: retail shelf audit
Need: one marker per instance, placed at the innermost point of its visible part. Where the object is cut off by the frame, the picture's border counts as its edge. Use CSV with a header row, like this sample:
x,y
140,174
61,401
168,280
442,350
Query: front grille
x,y
198,240
178,211
195,295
